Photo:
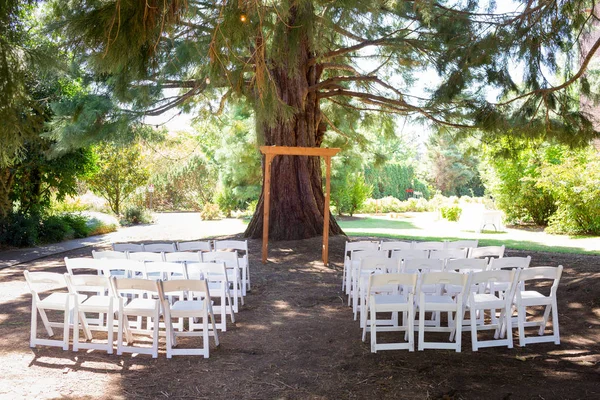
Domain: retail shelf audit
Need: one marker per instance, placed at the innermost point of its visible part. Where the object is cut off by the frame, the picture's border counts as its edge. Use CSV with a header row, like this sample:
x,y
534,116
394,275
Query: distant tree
x,y
120,170
512,169
452,166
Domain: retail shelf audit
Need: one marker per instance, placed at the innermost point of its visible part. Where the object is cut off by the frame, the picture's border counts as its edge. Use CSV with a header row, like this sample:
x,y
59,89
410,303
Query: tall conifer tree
x,y
306,65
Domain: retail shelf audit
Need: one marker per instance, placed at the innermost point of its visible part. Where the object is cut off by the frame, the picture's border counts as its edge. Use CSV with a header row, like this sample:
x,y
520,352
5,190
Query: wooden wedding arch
x,y
270,152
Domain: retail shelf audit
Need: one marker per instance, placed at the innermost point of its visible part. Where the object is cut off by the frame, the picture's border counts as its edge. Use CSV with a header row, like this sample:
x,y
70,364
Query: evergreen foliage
x,y
241,47
453,166
394,180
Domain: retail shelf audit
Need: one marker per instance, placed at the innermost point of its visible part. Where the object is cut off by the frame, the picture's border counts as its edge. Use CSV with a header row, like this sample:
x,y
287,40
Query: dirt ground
x,y
296,339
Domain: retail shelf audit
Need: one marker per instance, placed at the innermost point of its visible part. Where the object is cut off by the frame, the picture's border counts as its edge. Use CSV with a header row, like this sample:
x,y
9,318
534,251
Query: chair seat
x,y
141,306
438,299
392,302
532,297
439,303
56,301
187,308
486,300
96,301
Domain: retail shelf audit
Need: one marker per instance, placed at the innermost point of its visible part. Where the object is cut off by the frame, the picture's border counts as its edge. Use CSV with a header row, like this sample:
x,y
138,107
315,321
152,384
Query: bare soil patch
x,y
296,339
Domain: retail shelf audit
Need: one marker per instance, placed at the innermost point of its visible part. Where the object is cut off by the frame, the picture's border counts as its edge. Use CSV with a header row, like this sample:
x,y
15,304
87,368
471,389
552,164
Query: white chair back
x,y
160,247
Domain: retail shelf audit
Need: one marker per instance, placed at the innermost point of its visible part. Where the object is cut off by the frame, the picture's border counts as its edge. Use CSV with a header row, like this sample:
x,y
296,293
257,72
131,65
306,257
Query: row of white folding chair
x,y
232,262
401,255
188,255
419,265
469,246
399,298
195,245
409,265
491,251
167,271
77,302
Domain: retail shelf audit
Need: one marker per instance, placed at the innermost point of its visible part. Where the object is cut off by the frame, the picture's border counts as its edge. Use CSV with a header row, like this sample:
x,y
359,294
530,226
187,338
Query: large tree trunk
x,y
297,199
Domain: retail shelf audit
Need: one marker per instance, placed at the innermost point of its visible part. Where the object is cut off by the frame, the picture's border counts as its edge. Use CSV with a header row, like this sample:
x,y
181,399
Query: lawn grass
x,y
368,223
511,244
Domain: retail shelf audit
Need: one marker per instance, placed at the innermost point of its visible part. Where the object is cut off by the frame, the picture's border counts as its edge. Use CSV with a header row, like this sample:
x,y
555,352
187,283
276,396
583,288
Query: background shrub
x,y
136,215
451,213
54,229
210,212
78,224
19,230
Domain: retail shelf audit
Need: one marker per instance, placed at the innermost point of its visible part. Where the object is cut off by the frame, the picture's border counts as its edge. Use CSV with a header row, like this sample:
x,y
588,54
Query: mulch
x,y
296,339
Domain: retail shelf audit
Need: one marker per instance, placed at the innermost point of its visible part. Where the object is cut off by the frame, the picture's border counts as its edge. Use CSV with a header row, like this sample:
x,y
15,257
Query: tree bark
x,y
297,199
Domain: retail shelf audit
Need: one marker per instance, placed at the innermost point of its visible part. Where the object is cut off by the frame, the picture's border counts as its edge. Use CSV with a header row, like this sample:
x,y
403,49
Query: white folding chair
x,y
507,263
109,254
195,245
479,301
39,282
348,250
487,251
395,245
411,265
408,254
466,266
160,247
234,275
428,246
183,256
215,275
85,265
133,247
144,303
420,266
145,256
200,308
102,303
530,298
239,246
442,303
368,266
390,293
354,263
466,245
448,254
164,270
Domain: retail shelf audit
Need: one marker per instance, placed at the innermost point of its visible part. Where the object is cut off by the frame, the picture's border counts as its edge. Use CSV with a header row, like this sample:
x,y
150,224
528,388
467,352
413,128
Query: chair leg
x,y
205,343
155,333
458,329
474,344
33,333
120,327
521,324
544,320
373,331
421,329
46,321
110,327
364,319
408,319
66,329
555,321
214,325
75,328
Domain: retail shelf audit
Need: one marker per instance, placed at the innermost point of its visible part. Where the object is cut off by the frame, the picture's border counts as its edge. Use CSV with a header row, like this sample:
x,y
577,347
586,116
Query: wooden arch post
x,y
270,152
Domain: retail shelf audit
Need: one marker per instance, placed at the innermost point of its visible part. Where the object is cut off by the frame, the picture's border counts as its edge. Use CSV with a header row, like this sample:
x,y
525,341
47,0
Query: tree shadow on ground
x,y
295,338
